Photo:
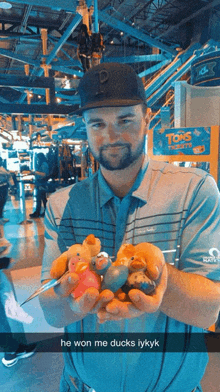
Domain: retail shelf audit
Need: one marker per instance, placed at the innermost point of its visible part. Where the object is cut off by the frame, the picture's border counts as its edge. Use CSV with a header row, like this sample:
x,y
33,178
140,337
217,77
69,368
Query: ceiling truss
x,y
145,34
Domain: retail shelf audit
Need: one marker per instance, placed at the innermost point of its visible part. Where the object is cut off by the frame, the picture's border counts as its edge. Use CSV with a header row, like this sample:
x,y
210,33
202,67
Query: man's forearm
x,y
191,298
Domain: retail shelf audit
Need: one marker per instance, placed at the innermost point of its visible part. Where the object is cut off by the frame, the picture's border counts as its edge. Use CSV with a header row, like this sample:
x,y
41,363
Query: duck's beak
x,y
137,264
81,267
101,264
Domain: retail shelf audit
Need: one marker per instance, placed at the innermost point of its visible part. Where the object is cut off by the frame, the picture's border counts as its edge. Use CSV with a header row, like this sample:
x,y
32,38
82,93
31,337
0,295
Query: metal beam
x,y
67,70
165,87
160,79
96,12
29,82
18,57
3,100
36,109
26,81
67,5
154,68
118,25
76,20
72,99
135,59
157,82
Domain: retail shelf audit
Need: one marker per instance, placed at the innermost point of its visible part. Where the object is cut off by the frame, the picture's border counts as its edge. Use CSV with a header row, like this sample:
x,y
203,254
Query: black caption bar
x,y
116,342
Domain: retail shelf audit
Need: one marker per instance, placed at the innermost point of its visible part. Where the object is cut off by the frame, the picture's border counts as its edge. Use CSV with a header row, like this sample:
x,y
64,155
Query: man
x,y
5,181
132,200
84,47
13,348
41,177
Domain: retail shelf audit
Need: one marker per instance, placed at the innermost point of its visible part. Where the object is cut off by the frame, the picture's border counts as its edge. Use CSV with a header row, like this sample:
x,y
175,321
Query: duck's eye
x,y
132,258
78,254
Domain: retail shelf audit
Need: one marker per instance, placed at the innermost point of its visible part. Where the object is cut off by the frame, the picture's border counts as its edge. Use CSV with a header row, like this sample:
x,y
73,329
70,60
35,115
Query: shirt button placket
x,y
121,219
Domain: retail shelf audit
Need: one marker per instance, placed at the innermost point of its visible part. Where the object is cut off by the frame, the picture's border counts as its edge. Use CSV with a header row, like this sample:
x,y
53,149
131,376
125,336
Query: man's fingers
x,y
154,258
67,285
84,303
59,266
122,309
117,310
104,297
150,303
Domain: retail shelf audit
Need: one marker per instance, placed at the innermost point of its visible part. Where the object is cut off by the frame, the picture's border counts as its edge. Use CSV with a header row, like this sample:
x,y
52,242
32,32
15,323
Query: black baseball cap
x,y
110,84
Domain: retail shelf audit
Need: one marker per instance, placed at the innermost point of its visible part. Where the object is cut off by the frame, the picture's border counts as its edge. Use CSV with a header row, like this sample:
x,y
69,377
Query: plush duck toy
x,y
131,270
87,278
137,278
136,259
60,265
77,259
93,244
101,263
117,273
113,276
124,254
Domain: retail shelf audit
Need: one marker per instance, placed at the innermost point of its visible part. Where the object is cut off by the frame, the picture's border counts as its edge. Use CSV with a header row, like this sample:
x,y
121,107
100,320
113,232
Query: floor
x,y
42,371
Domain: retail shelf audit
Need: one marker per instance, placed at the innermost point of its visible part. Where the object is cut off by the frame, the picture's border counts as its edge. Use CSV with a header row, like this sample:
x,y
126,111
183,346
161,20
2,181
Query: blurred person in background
x,y
84,47
13,344
5,181
41,176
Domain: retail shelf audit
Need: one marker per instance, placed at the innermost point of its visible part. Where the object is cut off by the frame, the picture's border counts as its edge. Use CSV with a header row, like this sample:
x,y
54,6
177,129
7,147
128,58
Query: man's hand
x,y
90,302
140,302
104,304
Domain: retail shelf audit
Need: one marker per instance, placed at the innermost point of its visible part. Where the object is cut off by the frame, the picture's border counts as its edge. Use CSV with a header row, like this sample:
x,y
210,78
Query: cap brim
x,y
109,103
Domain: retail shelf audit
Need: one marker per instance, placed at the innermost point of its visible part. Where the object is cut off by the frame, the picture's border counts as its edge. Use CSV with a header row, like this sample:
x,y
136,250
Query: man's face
x,y
116,135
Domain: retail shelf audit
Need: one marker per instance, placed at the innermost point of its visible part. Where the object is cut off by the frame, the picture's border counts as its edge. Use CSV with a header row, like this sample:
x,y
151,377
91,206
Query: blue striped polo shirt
x,y
176,209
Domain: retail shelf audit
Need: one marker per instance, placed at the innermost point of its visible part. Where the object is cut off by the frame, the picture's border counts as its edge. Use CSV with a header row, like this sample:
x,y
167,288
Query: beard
x,y
118,156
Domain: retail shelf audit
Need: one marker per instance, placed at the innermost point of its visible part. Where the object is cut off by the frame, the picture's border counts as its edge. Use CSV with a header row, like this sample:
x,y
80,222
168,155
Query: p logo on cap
x,y
110,85
103,76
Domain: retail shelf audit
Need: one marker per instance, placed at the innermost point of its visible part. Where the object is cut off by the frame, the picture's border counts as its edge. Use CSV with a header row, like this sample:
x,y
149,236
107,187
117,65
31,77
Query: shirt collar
x,y
137,190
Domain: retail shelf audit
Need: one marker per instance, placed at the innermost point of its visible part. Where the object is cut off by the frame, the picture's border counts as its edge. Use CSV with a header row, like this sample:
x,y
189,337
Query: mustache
x,y
106,146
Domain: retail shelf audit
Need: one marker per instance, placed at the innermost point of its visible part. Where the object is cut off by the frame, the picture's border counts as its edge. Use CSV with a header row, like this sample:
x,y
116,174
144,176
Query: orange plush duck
x,y
137,278
137,259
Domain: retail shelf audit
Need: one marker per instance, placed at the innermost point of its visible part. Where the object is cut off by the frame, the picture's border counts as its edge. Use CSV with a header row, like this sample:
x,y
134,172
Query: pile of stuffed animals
x,y
96,269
